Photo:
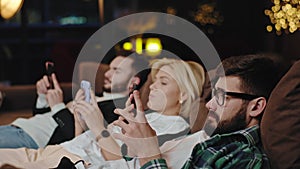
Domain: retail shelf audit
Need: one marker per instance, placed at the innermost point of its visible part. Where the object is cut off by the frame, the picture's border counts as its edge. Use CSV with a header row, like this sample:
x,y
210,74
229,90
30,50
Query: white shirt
x,y
41,126
86,147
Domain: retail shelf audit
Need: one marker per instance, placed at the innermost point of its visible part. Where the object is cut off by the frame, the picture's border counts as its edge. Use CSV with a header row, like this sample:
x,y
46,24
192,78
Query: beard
x,y
238,122
108,90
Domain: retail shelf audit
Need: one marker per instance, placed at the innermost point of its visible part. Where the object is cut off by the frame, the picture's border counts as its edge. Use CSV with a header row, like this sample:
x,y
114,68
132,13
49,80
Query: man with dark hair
x,y
55,122
239,98
116,89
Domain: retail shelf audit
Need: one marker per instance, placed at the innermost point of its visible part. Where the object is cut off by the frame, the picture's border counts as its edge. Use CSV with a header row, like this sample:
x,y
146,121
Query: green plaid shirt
x,y
240,149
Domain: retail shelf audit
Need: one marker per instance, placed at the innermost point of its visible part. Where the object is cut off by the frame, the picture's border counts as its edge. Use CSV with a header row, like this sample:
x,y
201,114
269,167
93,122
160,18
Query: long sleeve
x,y
66,127
41,106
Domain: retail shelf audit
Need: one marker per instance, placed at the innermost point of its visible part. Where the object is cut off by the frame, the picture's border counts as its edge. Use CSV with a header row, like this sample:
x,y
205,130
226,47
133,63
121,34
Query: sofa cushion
x,y
280,124
22,97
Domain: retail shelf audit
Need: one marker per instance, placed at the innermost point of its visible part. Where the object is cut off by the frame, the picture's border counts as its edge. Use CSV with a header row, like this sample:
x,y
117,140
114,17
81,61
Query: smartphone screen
x,y
86,86
49,71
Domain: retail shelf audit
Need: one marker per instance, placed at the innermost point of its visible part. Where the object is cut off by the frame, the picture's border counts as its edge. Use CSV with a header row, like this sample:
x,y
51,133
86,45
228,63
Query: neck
x,y
171,111
253,122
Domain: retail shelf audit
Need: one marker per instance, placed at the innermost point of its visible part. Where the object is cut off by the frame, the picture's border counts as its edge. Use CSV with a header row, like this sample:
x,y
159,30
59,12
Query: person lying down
x,y
174,90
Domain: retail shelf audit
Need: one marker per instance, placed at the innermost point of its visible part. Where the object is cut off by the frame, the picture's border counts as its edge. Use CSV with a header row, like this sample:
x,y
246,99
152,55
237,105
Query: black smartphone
x,y
135,87
49,71
143,76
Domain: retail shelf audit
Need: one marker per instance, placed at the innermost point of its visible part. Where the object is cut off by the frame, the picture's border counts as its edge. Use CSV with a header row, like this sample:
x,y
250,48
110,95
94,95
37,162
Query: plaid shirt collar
x,y
251,135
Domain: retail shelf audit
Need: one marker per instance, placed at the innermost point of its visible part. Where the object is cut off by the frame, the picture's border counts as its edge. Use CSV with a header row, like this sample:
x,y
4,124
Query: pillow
x,y
280,125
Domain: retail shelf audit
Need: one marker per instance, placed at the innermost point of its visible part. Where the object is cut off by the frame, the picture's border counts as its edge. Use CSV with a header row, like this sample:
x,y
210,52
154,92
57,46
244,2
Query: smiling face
x,y
118,76
164,93
232,115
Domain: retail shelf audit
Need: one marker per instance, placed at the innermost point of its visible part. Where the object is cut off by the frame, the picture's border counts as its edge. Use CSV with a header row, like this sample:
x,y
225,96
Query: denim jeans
x,y
14,137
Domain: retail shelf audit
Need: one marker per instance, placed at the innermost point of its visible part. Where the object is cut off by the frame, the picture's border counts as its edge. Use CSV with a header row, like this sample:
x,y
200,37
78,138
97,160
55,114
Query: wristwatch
x,y
104,133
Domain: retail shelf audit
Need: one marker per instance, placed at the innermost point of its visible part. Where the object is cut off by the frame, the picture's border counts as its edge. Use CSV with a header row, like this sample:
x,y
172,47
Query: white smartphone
x,y
86,86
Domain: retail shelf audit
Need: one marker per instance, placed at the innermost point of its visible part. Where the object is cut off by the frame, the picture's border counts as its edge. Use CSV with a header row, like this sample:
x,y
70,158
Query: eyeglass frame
x,y
243,96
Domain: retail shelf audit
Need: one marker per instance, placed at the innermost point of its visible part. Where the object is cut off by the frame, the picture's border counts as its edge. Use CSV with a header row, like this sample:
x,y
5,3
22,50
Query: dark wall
x,y
25,47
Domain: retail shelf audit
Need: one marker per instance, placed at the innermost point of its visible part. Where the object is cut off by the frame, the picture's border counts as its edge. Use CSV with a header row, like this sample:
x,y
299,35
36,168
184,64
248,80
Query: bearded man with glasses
x,y
239,98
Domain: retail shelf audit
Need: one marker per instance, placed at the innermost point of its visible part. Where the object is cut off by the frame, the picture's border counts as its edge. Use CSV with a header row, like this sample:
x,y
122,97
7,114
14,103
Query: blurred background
x,y
56,30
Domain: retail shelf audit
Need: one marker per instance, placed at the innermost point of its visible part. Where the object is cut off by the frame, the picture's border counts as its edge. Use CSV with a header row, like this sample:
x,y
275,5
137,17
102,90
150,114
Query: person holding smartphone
x,y
54,121
35,131
96,146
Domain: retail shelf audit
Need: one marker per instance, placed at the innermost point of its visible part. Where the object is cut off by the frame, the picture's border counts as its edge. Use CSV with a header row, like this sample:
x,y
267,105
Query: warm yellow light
x,y
127,46
9,8
285,14
153,46
139,45
269,28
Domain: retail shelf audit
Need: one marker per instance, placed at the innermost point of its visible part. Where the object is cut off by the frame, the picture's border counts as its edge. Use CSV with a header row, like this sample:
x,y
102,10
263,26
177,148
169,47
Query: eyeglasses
x,y
220,94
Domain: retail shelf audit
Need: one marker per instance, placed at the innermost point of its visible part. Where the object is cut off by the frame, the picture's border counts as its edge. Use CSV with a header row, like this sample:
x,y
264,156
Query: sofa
x,y
20,99
280,125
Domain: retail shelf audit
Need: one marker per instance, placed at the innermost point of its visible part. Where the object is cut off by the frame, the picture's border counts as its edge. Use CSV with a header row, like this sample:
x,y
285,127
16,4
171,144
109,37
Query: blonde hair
x,y
189,76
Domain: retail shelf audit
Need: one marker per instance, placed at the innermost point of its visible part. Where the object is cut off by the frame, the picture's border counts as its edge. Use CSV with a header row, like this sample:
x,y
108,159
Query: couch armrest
x,y
22,97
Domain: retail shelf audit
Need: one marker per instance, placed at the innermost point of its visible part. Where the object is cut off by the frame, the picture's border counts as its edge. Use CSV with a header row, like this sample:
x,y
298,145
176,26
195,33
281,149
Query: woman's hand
x,y
137,134
79,95
80,125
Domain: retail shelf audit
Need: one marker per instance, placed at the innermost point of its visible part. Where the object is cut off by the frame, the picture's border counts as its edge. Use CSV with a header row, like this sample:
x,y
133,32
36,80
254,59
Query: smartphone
x,y
86,86
49,71
135,87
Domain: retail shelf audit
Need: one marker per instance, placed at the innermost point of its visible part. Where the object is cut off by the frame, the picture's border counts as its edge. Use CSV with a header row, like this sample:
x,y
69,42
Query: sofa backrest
x,y
280,126
22,97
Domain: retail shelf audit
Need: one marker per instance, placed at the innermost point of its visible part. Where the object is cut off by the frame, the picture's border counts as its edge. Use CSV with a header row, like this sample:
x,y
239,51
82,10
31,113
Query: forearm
x,y
110,149
65,119
66,127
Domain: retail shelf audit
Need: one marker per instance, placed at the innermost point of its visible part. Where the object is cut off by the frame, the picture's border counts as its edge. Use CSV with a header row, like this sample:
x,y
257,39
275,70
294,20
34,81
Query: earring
x,y
180,101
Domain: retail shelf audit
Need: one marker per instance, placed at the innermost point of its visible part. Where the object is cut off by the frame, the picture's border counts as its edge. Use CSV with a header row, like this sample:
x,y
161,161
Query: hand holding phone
x,y
49,71
86,86
135,87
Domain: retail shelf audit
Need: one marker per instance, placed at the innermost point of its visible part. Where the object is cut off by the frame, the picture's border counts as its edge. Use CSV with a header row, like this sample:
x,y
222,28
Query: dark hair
x,y
259,74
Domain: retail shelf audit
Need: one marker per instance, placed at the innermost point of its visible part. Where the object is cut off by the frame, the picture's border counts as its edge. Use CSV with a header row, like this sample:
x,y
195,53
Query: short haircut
x,y
259,74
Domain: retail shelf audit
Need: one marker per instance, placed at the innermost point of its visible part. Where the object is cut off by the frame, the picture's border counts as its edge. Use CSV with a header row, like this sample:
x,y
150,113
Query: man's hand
x,y
42,85
54,96
137,134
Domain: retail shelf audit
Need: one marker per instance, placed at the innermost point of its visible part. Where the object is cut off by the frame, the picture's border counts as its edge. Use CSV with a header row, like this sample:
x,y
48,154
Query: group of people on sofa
x,y
154,131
